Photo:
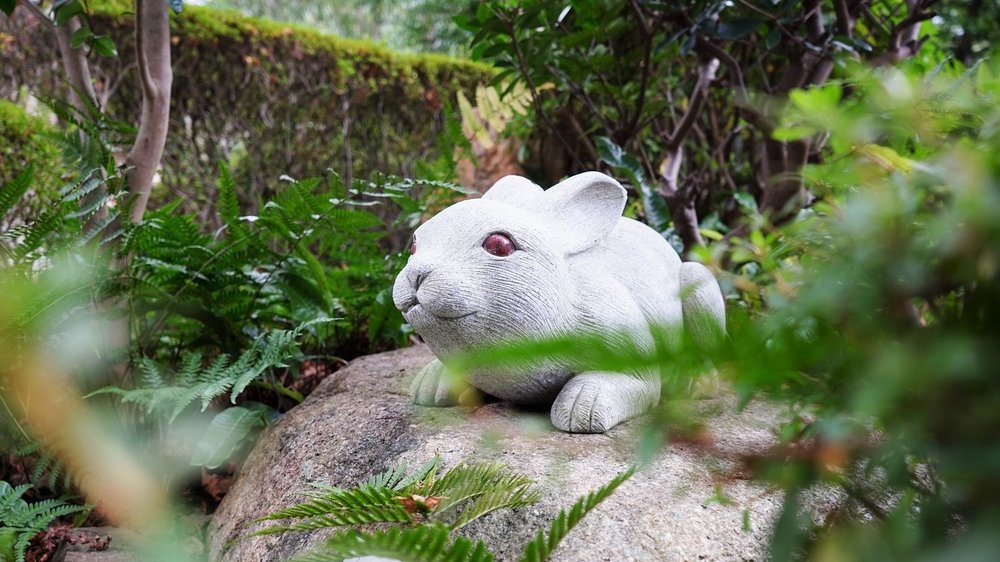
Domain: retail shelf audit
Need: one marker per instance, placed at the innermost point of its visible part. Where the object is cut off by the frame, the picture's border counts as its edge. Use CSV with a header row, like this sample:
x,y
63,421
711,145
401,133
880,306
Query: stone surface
x,y
128,546
121,548
361,421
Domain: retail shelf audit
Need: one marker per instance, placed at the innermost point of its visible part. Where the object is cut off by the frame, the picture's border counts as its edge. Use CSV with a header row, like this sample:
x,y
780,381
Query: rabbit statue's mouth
x,y
415,306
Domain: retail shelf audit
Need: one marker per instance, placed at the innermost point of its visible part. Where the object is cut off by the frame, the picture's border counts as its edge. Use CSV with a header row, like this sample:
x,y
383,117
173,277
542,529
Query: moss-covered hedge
x,y
274,98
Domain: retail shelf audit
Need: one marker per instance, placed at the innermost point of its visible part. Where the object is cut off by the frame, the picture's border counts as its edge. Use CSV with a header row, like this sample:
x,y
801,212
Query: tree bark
x,y
152,45
784,189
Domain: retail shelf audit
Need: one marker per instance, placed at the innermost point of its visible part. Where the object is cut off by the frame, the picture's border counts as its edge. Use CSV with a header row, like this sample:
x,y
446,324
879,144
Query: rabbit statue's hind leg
x,y
705,321
703,305
436,386
594,402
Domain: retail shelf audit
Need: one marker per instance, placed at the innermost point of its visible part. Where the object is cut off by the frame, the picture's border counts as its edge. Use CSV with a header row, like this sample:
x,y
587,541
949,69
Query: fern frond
x,y
198,383
24,520
478,490
419,544
338,508
39,229
270,350
229,204
388,479
12,191
541,547
421,477
504,494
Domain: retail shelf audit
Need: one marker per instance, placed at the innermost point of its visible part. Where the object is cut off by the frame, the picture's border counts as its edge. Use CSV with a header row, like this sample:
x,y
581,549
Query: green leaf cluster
x,y
20,521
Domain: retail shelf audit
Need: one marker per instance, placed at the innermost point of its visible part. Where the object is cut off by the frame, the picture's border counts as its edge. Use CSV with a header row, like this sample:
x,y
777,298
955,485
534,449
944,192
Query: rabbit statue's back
x,y
525,263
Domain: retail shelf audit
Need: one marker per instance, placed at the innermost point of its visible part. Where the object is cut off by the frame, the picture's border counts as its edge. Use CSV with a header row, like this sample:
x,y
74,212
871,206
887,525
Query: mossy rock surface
x,y
361,421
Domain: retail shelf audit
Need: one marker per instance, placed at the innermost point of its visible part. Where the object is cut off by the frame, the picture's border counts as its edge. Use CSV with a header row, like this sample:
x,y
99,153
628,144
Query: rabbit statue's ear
x,y
585,208
514,190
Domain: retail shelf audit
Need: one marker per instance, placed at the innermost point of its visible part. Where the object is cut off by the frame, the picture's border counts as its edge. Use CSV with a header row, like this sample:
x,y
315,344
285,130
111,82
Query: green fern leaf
x,y
504,495
421,477
478,490
541,547
229,204
338,508
20,520
12,192
429,543
388,479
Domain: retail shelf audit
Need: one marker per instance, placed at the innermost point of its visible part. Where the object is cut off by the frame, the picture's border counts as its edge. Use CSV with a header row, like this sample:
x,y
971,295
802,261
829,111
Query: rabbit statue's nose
x,y
417,275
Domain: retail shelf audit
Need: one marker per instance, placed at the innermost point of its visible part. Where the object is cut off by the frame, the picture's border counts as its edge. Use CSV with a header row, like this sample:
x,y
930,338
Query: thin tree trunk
x,y
152,45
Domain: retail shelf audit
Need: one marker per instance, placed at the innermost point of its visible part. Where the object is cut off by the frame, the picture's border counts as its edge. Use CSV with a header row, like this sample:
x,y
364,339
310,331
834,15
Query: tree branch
x,y
705,77
753,116
535,98
844,21
903,40
82,95
814,22
680,201
38,14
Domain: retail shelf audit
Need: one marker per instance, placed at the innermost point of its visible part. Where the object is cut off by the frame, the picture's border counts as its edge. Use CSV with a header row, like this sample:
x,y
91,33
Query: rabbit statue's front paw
x,y
435,386
596,402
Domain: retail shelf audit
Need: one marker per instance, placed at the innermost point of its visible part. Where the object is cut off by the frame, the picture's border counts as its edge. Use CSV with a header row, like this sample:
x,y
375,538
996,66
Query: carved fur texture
x,y
578,266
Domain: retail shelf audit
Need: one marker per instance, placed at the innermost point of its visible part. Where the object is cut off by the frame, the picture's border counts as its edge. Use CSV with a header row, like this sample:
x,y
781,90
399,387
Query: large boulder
x,y
360,421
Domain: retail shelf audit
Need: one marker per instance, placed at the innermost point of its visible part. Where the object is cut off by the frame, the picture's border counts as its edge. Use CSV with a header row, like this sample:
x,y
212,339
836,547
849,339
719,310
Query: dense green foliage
x,y
692,91
213,317
284,99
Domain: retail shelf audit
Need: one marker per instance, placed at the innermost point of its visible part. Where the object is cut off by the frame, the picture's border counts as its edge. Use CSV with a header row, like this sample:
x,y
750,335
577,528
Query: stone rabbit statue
x,y
522,262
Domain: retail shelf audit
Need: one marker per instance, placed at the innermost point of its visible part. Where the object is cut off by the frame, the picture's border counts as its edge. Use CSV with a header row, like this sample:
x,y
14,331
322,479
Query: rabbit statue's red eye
x,y
413,247
499,245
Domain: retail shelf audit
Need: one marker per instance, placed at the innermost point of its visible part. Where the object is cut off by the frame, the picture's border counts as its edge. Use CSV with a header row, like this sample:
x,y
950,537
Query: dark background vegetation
x,y
837,164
